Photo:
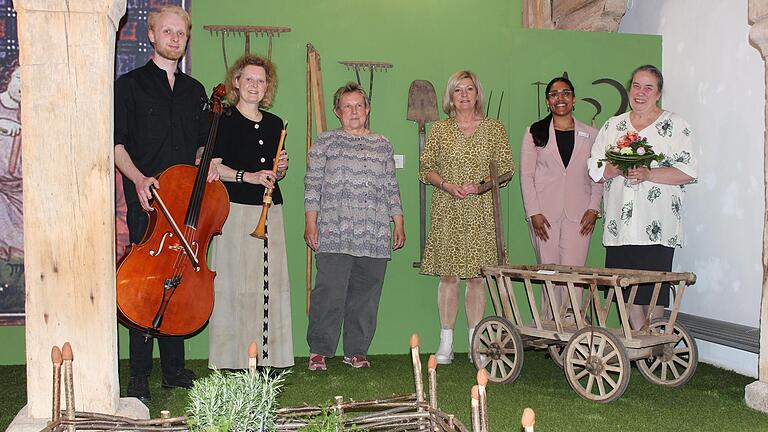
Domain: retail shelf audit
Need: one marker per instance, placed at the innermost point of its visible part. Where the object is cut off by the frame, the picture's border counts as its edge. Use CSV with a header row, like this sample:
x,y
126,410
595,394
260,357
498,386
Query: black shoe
x,y
182,378
138,387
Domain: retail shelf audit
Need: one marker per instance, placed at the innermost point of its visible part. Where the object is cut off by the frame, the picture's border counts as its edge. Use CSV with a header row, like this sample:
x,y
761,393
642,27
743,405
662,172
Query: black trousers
x,y
642,257
171,347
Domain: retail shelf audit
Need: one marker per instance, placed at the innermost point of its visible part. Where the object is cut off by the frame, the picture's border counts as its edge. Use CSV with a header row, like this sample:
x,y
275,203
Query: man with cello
x,y
158,123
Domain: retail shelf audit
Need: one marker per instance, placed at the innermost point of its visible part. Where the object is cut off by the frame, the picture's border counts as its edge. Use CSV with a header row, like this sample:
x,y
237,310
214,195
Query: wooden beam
x,y
756,394
67,68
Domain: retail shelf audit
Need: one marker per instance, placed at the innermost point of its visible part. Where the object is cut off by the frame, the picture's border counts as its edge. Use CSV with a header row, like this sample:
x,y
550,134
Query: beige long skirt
x,y
253,301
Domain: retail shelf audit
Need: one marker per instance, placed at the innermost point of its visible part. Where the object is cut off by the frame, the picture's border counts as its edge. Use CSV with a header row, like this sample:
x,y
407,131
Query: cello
x,y
164,285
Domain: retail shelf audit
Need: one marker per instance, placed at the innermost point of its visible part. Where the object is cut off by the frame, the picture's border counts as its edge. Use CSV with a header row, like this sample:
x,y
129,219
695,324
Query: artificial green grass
x,y
713,400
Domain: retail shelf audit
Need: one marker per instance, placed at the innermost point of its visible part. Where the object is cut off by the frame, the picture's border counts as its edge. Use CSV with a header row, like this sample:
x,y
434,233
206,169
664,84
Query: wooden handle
x,y
261,228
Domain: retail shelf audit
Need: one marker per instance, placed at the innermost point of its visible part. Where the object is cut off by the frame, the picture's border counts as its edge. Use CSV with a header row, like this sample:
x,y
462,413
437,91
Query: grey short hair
x,y
350,87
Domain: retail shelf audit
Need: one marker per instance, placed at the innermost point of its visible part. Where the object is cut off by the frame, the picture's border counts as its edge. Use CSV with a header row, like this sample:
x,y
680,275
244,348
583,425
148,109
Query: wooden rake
x,y
246,31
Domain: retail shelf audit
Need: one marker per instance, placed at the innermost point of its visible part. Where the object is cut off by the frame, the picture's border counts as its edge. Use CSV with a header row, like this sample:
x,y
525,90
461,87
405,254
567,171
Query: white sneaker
x,y
444,354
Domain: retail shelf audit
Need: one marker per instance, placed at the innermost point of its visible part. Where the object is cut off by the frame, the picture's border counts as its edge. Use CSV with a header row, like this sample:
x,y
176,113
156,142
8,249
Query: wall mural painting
x,y
132,50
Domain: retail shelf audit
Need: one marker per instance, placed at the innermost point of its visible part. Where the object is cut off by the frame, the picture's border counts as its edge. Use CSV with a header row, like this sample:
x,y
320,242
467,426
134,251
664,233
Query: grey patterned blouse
x,y
351,183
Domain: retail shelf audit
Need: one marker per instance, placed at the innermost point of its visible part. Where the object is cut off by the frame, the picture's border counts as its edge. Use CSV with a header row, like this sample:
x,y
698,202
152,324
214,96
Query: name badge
x,y
583,134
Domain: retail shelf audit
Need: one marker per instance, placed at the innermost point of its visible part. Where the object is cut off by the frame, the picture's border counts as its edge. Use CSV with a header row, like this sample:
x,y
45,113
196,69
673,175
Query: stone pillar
x,y
67,69
756,394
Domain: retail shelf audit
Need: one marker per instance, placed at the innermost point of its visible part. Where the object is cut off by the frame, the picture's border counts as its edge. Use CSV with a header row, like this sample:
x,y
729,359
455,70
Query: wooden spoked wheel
x,y
676,363
596,365
556,354
498,348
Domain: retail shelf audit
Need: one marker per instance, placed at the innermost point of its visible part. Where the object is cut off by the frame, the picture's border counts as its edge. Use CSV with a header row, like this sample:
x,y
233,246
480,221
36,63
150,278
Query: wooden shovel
x,y
422,108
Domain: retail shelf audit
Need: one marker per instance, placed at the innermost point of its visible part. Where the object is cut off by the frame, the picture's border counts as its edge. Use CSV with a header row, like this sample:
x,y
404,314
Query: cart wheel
x,y
556,354
498,348
596,365
677,362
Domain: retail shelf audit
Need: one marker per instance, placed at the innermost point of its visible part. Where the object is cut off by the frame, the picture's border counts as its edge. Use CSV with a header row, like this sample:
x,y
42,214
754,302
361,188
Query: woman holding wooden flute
x,y
252,289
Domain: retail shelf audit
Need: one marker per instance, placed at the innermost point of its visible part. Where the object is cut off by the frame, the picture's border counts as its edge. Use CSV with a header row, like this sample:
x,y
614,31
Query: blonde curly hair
x,y
236,70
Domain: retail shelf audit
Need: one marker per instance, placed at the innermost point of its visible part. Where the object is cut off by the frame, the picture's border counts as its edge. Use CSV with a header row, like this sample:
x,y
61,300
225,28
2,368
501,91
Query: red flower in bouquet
x,y
627,140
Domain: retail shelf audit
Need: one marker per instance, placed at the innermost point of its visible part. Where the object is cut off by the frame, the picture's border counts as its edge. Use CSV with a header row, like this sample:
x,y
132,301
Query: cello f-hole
x,y
153,252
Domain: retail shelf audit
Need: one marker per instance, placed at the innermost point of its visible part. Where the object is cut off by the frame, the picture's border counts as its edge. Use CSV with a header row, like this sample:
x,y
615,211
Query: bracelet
x,y
442,182
239,176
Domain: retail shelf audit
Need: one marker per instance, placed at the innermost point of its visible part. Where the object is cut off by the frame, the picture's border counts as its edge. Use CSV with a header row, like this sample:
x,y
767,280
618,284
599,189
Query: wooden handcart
x,y
594,354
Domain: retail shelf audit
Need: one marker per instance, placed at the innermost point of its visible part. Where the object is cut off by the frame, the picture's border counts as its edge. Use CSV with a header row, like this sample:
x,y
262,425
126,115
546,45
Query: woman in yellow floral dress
x,y
462,235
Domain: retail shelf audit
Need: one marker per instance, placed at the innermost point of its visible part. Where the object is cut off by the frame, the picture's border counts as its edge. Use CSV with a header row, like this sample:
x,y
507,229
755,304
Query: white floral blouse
x,y
648,213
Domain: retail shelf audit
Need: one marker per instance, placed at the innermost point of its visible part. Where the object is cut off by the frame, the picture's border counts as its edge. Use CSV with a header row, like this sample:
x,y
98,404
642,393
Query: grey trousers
x,y
347,289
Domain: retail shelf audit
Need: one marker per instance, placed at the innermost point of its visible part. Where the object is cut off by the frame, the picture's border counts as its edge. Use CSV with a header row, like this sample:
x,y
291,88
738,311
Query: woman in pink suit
x,y
561,201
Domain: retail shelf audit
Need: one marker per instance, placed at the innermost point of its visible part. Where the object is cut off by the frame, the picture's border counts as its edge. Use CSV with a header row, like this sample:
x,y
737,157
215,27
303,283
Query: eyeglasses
x,y
563,93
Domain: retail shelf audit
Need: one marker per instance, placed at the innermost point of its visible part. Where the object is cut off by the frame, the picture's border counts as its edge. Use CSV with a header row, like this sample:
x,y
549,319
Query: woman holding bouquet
x,y
561,201
643,205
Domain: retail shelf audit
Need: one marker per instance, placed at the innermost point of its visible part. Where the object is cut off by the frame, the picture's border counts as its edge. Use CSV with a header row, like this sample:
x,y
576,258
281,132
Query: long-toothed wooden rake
x,y
371,66
245,30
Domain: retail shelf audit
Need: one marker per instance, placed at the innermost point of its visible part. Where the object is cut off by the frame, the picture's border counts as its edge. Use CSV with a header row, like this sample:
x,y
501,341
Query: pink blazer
x,y
551,189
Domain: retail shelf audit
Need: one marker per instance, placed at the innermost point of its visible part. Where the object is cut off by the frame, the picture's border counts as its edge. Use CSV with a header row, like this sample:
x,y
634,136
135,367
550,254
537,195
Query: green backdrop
x,y
428,39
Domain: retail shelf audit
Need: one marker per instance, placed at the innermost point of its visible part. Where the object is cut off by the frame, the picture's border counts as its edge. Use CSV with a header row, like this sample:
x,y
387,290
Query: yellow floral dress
x,y
462,236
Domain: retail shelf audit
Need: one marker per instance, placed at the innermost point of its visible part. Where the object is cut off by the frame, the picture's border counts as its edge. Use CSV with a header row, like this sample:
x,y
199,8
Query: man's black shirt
x,y
158,127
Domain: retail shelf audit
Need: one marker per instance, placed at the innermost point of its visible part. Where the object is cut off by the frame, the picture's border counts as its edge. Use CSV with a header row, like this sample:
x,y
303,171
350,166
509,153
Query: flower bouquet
x,y
631,151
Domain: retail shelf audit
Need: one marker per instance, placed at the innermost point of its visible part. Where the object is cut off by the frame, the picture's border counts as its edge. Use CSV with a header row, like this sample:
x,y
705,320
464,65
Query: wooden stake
x,y
417,367
528,420
165,415
56,359
432,372
432,379
253,357
416,361
338,401
475,409
69,388
482,382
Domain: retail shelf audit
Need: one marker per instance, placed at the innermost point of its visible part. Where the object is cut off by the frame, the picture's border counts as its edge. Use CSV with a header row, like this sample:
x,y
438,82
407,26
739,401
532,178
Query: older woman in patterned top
x,y
643,207
462,234
350,197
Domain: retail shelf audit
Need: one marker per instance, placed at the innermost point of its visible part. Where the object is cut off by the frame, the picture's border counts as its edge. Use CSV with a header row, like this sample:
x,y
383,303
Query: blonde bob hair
x,y
178,10
453,82
236,70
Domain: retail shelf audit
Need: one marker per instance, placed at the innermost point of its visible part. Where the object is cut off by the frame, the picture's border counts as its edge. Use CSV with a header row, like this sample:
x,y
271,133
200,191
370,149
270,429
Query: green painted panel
x,y
423,40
